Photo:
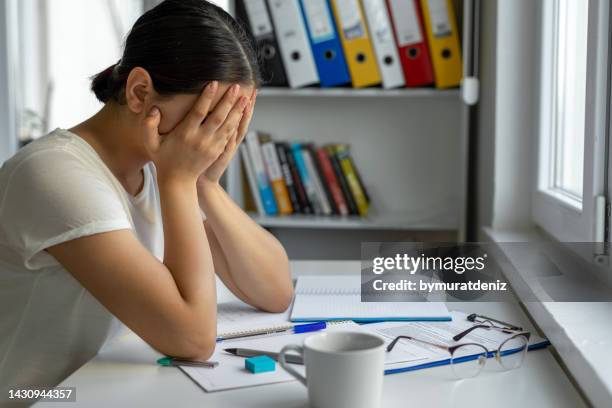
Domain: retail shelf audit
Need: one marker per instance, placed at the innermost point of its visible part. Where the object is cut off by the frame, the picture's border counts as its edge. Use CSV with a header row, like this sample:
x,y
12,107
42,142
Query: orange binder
x,y
443,38
356,43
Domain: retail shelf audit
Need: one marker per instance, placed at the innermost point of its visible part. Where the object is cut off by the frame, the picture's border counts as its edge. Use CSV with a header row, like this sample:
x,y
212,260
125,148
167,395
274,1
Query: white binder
x,y
293,42
381,34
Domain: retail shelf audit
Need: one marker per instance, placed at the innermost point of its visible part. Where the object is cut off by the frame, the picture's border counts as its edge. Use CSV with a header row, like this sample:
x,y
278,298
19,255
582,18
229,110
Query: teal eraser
x,y
260,364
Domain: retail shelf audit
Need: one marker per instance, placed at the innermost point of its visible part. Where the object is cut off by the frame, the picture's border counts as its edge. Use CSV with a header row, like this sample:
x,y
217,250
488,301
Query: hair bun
x,y
102,84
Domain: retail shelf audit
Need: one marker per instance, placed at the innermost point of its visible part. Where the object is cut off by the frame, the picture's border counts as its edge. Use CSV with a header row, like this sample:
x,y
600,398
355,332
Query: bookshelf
x,y
409,145
271,92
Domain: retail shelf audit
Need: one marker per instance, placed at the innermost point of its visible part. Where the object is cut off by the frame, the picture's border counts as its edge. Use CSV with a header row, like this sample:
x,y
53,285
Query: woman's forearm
x,y
186,249
256,262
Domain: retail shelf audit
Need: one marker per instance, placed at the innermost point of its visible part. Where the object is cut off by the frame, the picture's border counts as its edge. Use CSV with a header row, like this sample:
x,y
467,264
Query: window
x,y
572,135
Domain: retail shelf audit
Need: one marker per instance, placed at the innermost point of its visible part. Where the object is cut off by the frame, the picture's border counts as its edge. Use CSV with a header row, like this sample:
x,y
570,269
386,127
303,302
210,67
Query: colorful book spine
x,y
324,184
275,174
252,179
263,183
305,204
311,191
317,183
332,181
346,190
351,177
290,183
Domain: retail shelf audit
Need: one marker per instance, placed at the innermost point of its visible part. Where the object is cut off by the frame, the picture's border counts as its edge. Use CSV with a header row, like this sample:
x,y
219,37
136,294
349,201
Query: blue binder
x,y
325,43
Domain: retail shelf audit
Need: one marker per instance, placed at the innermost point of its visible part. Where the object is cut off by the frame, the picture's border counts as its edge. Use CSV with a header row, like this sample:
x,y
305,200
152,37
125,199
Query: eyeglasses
x,y
468,359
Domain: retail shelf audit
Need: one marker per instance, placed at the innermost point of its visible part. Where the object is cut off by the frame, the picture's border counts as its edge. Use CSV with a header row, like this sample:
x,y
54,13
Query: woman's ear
x,y
138,90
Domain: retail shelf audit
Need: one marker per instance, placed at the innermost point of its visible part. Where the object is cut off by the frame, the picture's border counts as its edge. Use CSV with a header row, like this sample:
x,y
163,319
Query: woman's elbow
x,y
192,345
282,299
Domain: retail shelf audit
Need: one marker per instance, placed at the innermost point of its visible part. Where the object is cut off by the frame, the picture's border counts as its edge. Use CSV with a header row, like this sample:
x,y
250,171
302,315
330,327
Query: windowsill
x,y
580,331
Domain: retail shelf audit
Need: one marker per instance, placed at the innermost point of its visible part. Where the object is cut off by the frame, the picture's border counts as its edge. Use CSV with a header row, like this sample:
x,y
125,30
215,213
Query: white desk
x,y
125,374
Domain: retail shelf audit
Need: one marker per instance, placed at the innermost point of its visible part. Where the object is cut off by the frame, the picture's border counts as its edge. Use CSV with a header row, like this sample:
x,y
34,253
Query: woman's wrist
x,y
175,185
208,191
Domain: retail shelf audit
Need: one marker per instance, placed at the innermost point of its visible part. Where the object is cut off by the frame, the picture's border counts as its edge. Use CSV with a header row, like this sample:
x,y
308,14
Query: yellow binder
x,y
443,38
356,42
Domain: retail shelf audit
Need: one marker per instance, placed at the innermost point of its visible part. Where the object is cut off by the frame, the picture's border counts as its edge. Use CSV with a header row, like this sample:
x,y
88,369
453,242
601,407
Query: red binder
x,y
411,40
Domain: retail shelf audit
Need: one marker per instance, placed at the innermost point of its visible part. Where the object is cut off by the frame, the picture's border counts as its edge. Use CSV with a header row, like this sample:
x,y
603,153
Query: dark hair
x,y
183,45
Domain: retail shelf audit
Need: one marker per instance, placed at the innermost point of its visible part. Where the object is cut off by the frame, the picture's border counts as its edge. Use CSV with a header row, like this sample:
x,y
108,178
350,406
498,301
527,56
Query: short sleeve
x,y
53,197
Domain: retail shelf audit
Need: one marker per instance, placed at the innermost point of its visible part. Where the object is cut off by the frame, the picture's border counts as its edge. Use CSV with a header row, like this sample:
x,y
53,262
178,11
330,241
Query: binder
x,y
326,46
411,41
263,183
273,169
356,43
293,43
385,49
309,187
288,176
252,178
254,17
443,37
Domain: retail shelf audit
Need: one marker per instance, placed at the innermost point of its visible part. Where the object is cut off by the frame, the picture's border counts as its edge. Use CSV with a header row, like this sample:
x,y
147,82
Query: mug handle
x,y
287,367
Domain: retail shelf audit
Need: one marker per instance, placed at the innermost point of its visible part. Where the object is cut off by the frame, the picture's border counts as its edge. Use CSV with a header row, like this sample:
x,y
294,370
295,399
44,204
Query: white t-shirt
x,y
54,190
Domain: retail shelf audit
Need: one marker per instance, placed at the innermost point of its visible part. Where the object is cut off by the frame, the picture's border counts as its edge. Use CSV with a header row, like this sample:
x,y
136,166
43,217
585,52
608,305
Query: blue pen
x,y
296,329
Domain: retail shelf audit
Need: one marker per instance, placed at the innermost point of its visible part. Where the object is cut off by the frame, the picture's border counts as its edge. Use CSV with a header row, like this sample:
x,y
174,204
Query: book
x,y
309,161
323,179
346,190
325,298
252,179
263,183
275,174
305,204
311,191
289,182
332,181
346,164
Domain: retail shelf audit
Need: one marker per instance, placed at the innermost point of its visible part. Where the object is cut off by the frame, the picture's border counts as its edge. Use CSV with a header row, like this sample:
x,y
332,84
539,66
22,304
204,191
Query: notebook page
x,y
339,298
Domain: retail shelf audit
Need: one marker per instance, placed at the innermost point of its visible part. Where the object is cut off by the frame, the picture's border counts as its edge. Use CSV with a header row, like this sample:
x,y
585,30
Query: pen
x,y
241,352
296,329
172,361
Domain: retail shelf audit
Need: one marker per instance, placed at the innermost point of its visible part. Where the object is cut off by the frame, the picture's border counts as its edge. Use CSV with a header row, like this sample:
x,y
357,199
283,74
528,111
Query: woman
x,y
81,210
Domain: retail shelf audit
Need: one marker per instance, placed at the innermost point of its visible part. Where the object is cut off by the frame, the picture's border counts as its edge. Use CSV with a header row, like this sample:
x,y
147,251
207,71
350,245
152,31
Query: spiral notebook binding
x,y
267,330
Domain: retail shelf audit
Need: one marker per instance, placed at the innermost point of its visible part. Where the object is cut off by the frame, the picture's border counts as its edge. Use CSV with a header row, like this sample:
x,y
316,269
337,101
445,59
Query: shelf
x,y
371,222
359,93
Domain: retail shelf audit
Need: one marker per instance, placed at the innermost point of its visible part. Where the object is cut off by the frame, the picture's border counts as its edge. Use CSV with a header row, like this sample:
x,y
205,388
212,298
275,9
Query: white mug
x,y
343,369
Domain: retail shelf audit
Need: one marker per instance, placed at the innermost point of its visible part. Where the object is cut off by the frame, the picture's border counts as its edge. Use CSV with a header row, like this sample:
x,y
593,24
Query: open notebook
x,y
327,298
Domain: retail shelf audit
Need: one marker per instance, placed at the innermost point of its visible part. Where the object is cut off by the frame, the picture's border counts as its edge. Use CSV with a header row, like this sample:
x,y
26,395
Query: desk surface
x,y
125,374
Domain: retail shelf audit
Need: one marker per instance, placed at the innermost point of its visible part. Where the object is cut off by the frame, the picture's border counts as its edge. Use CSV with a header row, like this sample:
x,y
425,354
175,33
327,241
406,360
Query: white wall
x,y
508,108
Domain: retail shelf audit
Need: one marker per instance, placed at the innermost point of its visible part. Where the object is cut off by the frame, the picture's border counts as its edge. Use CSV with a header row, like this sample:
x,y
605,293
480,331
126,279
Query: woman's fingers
x,y
233,118
200,109
217,118
151,124
246,117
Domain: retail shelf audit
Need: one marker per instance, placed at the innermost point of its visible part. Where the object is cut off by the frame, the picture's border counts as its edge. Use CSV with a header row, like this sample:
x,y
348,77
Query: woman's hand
x,y
215,171
199,140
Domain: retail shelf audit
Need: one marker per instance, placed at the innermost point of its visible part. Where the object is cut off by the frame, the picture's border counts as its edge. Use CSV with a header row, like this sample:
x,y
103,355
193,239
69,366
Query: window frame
x,y
8,49
557,213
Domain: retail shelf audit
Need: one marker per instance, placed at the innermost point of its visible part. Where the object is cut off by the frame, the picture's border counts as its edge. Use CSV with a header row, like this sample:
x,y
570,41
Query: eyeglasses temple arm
x,y
398,338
